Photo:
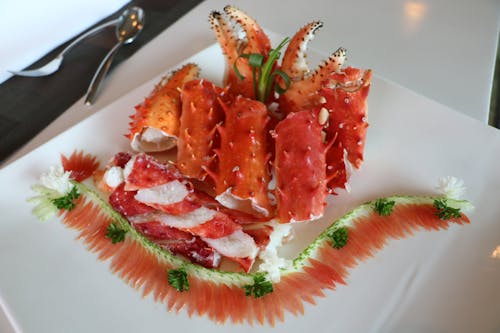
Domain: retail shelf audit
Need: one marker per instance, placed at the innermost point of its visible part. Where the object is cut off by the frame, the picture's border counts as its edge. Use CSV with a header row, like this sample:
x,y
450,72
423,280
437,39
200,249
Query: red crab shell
x,y
155,124
201,113
300,168
346,128
305,85
242,175
227,29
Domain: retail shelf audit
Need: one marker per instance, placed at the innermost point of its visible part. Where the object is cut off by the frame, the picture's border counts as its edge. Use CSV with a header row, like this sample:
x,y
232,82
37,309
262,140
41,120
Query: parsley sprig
x,y
445,212
178,279
115,233
68,201
384,206
339,237
263,72
261,286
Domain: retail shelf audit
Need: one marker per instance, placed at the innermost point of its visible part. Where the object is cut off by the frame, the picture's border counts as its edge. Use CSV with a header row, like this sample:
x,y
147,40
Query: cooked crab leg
x,y
200,114
345,98
155,124
300,168
304,86
254,41
242,176
294,62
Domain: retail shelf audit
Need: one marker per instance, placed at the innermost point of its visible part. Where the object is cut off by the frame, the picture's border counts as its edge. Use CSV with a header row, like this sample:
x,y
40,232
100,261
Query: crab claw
x,y
304,86
227,28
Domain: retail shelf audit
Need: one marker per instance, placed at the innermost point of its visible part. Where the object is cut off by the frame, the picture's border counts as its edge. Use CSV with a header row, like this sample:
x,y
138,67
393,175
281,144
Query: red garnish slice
x,y
81,165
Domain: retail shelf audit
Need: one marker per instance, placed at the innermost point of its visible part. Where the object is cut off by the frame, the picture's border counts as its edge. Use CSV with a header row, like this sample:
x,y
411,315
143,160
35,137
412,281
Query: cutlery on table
x,y
126,31
52,66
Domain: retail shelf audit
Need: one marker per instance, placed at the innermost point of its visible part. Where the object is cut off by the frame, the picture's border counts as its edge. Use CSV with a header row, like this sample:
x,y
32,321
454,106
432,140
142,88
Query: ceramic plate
x,y
446,281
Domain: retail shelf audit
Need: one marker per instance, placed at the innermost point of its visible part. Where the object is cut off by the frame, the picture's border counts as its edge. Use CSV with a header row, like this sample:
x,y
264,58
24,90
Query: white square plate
x,y
447,281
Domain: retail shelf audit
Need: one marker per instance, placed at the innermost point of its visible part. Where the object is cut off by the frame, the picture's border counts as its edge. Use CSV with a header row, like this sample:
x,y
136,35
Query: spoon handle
x,y
101,72
89,33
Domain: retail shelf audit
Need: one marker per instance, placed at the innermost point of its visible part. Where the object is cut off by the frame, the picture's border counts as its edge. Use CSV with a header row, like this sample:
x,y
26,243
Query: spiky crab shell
x,y
241,176
155,125
200,115
305,85
227,30
300,167
345,99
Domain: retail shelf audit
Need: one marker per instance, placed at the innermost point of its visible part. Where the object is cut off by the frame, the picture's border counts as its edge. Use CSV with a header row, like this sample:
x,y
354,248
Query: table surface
x,y
445,55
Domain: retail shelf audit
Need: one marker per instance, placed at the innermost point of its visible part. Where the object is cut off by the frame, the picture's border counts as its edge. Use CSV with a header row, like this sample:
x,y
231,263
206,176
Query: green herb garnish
x,y
177,278
261,286
263,73
67,201
384,207
339,237
115,233
445,212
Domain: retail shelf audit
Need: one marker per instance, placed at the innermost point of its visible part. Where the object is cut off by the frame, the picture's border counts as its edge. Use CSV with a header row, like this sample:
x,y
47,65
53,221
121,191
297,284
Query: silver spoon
x,y
52,66
126,32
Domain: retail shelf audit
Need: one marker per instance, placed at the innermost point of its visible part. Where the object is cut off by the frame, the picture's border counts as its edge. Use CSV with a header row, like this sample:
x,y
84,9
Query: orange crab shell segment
x,y
155,124
255,41
201,112
294,60
345,99
300,168
304,87
241,177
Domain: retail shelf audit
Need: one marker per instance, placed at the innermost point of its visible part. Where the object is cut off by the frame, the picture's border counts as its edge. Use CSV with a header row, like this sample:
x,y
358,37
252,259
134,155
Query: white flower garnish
x,y
57,179
53,184
451,187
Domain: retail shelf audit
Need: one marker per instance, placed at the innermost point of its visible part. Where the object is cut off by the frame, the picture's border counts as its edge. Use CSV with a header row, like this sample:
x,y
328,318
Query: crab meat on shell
x,y
155,124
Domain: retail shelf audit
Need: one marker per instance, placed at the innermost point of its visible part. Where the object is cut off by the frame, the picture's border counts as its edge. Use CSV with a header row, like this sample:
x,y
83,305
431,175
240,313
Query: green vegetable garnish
x,y
115,233
445,212
262,72
339,237
261,286
177,278
67,201
384,207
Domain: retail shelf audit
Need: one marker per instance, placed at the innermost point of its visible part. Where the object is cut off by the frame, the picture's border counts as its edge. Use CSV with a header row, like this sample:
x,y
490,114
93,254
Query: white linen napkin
x,y
29,29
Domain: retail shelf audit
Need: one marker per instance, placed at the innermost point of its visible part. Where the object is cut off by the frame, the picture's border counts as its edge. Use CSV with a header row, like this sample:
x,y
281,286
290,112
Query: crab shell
x,y
345,98
337,94
155,124
201,112
242,177
305,85
237,34
300,168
